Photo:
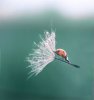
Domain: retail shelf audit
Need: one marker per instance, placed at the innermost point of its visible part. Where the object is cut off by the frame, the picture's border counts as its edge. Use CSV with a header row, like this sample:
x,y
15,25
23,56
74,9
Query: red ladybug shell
x,y
61,52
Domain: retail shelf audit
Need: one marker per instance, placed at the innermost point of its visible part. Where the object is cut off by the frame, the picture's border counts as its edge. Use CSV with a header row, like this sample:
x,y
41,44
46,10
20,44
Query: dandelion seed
x,y
45,54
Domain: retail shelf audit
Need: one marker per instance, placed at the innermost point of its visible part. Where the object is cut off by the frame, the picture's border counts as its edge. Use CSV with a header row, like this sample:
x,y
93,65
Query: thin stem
x,y
67,62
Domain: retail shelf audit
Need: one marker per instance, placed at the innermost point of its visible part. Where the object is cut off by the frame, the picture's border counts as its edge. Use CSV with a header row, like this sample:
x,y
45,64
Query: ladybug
x,y
62,53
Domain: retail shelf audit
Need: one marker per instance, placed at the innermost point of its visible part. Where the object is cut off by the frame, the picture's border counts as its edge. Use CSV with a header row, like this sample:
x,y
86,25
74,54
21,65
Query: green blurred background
x,y
58,81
